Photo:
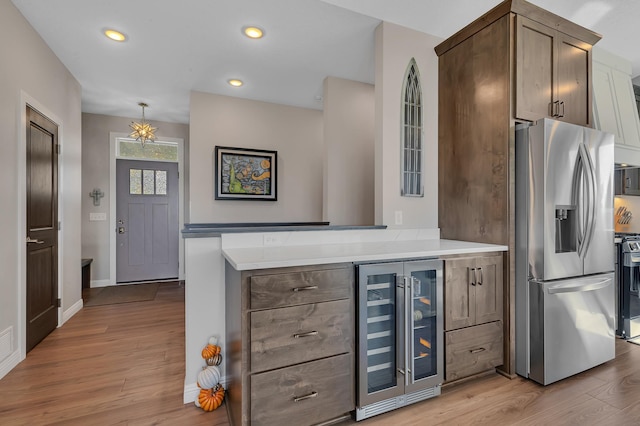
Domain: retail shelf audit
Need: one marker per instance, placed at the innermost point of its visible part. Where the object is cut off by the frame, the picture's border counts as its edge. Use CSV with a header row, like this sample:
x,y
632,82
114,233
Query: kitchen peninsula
x,y
207,302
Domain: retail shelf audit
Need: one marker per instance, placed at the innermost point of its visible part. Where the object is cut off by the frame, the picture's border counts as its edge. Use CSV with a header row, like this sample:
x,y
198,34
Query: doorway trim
x,y
27,100
113,138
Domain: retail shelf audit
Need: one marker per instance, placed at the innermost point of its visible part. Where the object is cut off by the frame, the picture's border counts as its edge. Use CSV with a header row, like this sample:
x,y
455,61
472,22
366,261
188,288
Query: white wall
x,y
29,71
395,46
296,133
348,192
95,174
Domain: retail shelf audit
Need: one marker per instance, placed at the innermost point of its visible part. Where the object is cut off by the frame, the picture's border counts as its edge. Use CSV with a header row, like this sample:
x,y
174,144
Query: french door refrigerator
x,y
565,307
400,329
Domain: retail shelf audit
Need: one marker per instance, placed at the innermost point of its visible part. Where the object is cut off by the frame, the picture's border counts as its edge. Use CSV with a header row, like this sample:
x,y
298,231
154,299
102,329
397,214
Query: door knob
x,y
121,230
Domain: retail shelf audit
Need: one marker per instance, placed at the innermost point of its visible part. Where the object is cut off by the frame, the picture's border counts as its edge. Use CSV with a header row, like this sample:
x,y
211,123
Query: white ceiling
x,y
175,47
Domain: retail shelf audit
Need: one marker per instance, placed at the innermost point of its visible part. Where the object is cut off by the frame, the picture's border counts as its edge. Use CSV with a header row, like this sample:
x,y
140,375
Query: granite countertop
x,y
299,255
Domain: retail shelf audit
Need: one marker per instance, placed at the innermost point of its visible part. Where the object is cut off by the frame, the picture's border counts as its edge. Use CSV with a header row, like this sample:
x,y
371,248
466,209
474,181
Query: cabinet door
x,y
606,115
573,80
626,102
459,299
535,74
488,289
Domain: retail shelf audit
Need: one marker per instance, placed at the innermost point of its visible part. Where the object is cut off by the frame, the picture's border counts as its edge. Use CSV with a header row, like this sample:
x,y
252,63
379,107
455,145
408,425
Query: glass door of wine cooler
x,y
381,307
424,324
400,329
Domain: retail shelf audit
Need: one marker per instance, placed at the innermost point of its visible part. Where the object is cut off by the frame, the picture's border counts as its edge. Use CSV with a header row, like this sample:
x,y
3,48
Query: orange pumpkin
x,y
210,399
210,351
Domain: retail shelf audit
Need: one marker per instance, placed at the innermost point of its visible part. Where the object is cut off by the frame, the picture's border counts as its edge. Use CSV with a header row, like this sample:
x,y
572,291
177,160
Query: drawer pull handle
x,y
477,351
311,287
307,334
302,398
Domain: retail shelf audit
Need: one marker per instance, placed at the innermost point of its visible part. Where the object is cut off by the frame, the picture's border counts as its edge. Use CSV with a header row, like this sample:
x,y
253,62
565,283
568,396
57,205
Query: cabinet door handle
x,y
401,371
479,281
302,398
36,241
310,287
627,182
472,276
561,114
477,350
555,109
307,334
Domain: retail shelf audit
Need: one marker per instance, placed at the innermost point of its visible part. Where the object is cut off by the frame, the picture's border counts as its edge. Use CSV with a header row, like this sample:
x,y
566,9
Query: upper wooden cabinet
x,y
553,74
517,62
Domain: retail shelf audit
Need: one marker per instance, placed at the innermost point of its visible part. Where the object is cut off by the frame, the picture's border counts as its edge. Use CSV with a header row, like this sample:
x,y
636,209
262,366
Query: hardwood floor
x,y
108,365
124,364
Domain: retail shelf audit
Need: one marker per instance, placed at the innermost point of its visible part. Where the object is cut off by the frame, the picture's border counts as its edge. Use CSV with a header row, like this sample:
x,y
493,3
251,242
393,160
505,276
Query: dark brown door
x,y
42,227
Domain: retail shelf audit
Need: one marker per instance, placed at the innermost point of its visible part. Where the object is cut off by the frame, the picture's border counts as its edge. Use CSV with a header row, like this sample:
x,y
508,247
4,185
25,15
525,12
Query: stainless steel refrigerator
x,y
565,285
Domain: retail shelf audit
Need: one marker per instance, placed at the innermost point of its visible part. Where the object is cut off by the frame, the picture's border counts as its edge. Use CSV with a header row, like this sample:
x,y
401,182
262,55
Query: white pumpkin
x,y
209,377
213,340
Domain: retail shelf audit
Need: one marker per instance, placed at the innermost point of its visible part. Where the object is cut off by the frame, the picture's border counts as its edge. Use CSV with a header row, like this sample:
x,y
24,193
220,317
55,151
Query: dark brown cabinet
x,y
473,315
290,333
517,62
553,74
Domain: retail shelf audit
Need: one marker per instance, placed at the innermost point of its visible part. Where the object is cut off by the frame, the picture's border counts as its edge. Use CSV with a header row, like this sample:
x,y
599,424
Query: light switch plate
x,y
95,217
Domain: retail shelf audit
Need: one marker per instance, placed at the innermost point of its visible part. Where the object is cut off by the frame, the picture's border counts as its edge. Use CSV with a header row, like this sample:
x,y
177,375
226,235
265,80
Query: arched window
x,y
412,133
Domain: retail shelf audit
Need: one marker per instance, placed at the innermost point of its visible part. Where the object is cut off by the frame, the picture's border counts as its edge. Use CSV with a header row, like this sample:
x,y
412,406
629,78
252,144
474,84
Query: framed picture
x,y
245,174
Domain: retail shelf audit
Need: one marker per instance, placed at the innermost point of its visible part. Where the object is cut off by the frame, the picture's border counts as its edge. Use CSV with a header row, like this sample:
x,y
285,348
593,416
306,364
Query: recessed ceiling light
x,y
253,32
115,35
235,82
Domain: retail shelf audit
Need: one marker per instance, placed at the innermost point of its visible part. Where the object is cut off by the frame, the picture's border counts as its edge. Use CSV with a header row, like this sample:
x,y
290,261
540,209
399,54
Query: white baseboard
x,y
191,390
9,363
100,283
74,309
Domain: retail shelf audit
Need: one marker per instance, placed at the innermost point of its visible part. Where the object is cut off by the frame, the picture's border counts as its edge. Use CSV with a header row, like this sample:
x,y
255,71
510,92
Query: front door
x,y
146,220
42,227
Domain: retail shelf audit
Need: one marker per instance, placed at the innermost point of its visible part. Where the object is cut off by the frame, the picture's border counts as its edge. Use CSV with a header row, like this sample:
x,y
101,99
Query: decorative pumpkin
x,y
209,377
214,360
210,399
210,351
213,340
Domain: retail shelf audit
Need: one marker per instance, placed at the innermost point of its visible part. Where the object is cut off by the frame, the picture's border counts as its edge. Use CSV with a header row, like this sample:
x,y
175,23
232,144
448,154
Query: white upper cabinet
x,y
614,104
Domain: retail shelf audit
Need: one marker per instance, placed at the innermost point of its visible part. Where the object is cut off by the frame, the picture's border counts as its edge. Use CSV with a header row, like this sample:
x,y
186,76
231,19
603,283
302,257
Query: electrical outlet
x,y
272,239
398,217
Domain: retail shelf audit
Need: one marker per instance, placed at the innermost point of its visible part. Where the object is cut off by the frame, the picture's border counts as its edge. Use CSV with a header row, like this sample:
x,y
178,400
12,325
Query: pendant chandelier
x,y
142,131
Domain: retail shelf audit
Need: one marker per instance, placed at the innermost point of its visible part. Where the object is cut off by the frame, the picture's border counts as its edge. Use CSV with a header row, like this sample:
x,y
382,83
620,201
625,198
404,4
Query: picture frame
x,y
245,174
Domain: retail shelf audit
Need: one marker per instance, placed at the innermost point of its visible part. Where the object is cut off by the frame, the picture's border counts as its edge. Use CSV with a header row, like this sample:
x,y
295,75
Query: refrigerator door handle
x,y
590,178
583,189
579,288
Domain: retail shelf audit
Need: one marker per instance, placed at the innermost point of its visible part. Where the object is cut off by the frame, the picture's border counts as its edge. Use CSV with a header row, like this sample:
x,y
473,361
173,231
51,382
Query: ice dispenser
x,y
566,229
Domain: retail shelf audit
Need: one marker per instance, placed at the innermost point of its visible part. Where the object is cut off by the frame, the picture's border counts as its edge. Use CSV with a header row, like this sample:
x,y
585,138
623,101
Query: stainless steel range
x,y
629,286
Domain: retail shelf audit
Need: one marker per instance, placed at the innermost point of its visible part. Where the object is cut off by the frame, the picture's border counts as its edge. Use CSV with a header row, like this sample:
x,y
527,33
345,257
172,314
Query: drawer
x,y
327,385
473,350
285,336
295,288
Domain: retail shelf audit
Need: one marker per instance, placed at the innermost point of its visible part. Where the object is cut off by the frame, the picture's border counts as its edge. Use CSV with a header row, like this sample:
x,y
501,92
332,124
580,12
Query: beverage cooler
x,y
400,332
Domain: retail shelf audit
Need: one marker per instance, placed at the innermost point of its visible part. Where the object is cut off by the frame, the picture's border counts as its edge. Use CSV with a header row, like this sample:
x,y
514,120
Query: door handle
x,y
472,276
36,241
121,230
479,281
